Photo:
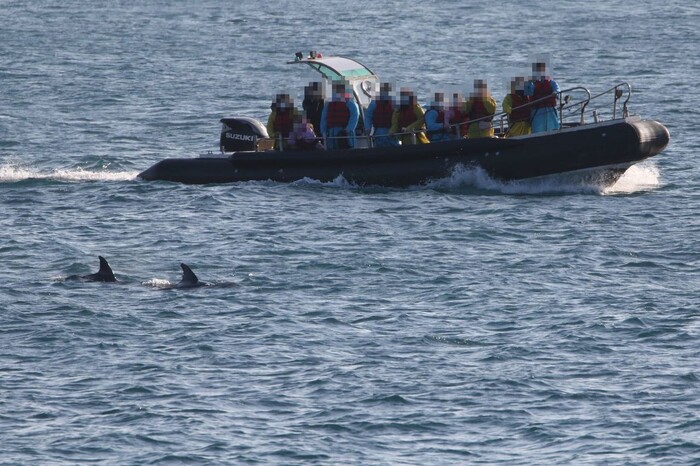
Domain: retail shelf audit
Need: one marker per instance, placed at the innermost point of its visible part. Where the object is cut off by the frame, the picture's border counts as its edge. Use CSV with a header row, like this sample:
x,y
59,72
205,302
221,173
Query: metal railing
x,y
567,108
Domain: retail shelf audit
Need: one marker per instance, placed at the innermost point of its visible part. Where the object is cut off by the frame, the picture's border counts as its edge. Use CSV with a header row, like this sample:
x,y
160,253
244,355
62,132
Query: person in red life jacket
x,y
378,117
281,120
457,117
542,90
313,104
516,106
339,119
480,107
436,124
408,119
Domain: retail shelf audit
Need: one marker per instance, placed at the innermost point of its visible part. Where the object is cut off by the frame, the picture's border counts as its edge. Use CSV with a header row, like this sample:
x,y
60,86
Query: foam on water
x,y
638,178
11,173
158,283
478,178
338,182
641,177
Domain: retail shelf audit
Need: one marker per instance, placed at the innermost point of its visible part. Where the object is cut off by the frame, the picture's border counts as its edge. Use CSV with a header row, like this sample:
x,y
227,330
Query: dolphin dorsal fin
x,y
105,272
188,275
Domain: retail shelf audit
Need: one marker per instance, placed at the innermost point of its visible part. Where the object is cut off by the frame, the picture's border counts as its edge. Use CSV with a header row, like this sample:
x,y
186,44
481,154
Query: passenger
x,y
516,106
302,136
339,119
457,117
378,117
480,105
313,105
543,116
438,129
281,120
409,117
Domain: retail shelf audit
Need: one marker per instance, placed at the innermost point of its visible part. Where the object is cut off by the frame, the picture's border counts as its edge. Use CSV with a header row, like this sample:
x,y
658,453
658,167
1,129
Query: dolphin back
x,y
188,276
105,273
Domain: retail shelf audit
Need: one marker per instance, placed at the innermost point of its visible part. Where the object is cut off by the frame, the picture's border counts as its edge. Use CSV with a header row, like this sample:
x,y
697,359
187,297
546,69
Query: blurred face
x,y
539,69
284,101
517,84
338,91
385,90
480,88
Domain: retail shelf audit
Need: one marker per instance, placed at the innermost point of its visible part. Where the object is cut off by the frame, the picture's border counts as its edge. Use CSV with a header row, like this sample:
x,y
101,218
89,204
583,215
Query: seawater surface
x,y
465,322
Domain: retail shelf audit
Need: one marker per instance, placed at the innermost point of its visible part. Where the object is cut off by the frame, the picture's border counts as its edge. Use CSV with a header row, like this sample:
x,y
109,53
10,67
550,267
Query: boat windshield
x,y
361,79
335,68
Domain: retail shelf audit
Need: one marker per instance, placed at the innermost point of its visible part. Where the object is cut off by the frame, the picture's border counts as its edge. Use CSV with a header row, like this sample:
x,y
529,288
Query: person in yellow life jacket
x,y
339,119
516,106
281,121
480,106
409,117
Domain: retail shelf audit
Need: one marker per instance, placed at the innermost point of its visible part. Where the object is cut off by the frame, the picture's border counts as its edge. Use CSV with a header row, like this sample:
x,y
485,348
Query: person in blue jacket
x,y
436,122
378,116
543,116
339,119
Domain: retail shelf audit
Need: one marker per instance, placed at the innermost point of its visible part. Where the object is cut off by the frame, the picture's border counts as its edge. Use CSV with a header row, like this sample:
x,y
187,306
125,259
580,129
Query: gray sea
x,y
469,321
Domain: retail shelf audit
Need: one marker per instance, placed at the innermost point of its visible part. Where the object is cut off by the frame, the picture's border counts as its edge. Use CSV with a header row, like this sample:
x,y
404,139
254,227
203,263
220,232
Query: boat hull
x,y
609,147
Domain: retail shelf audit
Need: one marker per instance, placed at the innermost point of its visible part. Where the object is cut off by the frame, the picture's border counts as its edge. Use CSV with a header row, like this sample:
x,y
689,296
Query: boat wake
x,y
638,178
15,173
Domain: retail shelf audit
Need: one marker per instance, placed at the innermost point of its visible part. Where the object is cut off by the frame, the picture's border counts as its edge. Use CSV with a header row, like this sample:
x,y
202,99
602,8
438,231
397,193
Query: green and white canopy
x,y
362,80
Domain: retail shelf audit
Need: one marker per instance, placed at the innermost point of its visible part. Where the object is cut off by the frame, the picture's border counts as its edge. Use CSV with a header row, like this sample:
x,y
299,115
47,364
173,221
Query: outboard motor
x,y
240,133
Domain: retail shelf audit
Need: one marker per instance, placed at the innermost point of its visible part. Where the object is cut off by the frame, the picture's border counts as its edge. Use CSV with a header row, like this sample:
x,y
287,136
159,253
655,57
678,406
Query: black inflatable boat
x,y
600,150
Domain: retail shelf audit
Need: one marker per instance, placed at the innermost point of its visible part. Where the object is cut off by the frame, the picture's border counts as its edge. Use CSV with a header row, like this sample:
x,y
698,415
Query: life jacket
x,y
543,88
457,116
407,115
382,114
337,115
522,113
283,122
478,110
